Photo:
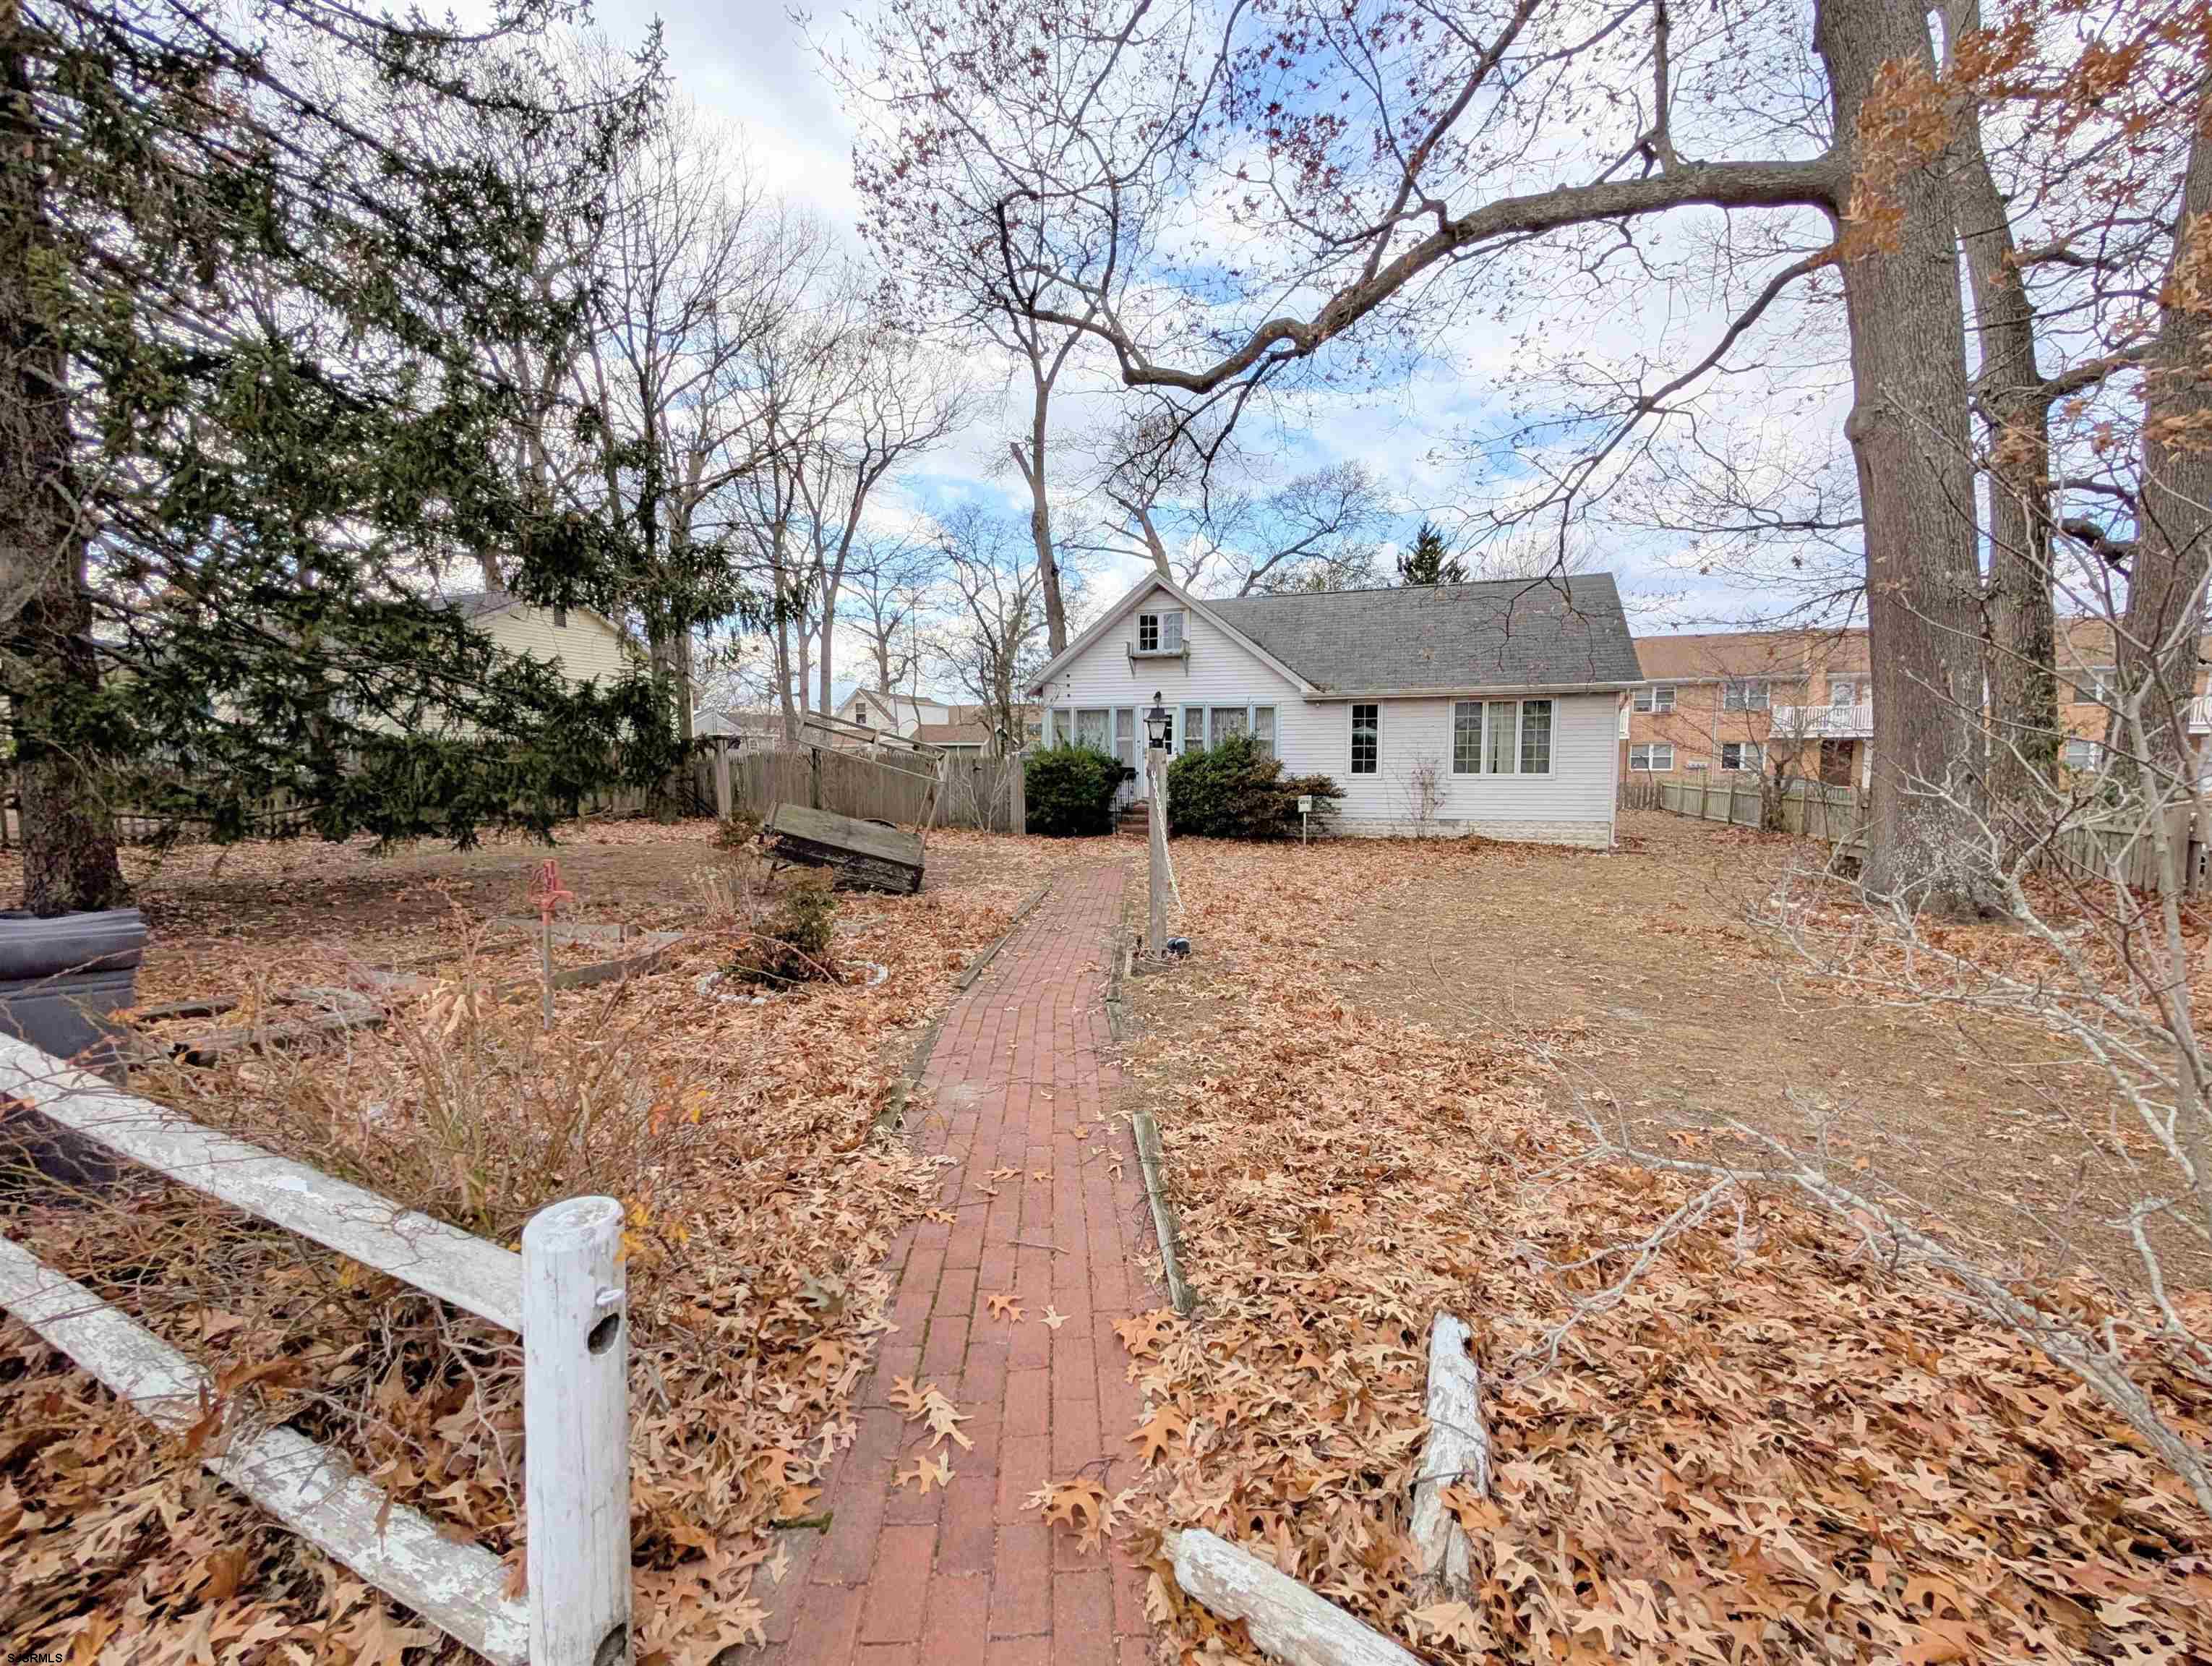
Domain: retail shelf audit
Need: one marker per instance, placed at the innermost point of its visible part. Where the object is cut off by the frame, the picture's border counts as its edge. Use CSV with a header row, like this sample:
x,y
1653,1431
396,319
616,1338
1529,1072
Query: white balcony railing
x,y
1824,722
2200,714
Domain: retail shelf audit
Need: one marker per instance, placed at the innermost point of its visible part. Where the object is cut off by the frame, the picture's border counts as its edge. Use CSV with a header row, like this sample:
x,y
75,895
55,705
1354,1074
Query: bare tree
x,y
696,271
888,586
995,638
889,401
973,121
1233,534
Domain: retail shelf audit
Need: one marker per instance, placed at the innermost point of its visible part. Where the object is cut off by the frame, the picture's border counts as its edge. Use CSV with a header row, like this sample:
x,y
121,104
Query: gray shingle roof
x,y
1502,633
474,604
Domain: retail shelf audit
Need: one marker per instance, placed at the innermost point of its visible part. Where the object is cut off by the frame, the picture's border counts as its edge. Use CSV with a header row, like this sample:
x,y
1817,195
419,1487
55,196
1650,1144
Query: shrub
x,y
1236,791
790,943
737,831
1070,791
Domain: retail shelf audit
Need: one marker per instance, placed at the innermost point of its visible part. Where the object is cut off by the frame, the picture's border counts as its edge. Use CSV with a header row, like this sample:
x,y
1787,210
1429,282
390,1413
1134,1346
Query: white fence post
x,y
575,1423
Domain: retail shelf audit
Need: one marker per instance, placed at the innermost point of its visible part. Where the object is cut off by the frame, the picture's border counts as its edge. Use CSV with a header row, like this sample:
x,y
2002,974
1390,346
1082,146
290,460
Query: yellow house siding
x,y
585,648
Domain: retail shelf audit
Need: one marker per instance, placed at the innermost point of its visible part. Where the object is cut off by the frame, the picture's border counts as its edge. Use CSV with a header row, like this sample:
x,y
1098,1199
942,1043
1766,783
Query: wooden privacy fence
x,y
2097,852
1833,813
565,1295
975,792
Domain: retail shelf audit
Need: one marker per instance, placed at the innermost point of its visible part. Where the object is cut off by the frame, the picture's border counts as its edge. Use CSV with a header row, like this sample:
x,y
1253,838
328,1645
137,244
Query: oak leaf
x,y
1081,1505
923,1474
1452,1622
1156,1432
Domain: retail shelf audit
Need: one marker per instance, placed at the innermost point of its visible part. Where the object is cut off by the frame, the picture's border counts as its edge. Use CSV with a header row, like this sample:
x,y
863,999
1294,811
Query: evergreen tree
x,y
255,262
1430,560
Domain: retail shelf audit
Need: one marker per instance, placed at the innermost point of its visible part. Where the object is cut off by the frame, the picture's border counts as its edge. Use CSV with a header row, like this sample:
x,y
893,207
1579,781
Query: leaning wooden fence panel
x,y
565,1293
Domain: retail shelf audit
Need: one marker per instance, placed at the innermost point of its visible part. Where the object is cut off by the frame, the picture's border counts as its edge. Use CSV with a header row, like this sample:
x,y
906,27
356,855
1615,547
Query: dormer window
x,y
1160,632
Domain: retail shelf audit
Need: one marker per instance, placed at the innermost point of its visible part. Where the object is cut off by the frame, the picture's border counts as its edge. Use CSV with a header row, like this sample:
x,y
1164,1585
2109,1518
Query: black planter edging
x,y
60,978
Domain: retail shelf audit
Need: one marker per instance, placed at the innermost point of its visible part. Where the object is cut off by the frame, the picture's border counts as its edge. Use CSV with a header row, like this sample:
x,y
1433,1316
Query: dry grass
x,y
1765,1449
737,1131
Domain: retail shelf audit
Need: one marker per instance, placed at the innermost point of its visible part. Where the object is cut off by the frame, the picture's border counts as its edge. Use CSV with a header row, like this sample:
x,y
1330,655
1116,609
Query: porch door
x,y
1836,763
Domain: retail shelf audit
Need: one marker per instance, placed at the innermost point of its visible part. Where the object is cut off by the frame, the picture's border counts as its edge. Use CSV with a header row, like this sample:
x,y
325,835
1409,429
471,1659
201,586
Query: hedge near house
x,y
1070,791
1238,790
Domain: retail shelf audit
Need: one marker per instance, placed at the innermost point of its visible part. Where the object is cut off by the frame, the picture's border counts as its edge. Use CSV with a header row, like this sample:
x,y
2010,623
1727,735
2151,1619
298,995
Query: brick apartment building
x,y
1730,702
1726,702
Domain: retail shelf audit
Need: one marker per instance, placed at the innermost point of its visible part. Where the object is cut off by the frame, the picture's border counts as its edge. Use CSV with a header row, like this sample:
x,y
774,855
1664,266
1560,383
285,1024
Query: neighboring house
x,y
963,729
898,713
585,644
1488,708
1736,701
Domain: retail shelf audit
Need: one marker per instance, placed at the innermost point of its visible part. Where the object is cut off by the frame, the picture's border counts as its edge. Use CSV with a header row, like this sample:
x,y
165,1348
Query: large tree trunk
x,y
1909,438
2023,628
2173,531
69,839
1031,464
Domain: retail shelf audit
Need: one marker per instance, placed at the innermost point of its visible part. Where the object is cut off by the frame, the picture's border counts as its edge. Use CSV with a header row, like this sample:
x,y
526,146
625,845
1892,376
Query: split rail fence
x,y
2088,852
565,1295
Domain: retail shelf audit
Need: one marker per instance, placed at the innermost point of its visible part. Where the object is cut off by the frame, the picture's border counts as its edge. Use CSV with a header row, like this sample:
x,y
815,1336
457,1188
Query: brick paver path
x,y
970,1575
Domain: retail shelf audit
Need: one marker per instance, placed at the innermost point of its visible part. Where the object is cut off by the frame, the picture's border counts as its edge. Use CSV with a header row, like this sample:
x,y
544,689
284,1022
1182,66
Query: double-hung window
x,y
1227,720
1467,736
1503,737
1193,728
1657,759
1125,735
1366,739
1160,633
1063,727
1742,755
1744,694
1536,737
1655,698
2094,686
1093,728
2082,755
1842,692
1263,730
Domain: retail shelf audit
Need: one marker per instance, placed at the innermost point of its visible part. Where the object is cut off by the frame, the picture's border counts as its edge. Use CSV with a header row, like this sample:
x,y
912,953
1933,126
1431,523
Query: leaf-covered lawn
x,y
736,1130
1764,1450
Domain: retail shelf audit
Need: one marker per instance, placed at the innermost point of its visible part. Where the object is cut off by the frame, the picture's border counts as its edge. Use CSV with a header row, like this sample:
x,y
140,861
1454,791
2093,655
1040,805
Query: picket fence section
x,y
2088,852
565,1294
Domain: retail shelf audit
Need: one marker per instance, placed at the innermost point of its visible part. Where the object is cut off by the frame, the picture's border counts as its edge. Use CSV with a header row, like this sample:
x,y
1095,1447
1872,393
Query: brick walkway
x,y
970,1575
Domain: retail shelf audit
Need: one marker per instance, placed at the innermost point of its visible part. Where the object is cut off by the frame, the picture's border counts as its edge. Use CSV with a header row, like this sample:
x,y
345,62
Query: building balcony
x,y
1823,722
2200,714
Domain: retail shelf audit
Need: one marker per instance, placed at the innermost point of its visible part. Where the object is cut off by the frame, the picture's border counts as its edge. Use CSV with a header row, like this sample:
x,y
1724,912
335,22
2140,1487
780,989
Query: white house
x,y
1490,708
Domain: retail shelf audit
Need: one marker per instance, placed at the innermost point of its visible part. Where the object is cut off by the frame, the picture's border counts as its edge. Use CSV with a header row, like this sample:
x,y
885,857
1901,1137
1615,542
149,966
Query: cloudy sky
x,y
752,66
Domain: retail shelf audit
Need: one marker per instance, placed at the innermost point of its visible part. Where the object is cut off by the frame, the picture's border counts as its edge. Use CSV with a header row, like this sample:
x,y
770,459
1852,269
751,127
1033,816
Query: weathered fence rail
x,y
977,792
565,1294
2090,851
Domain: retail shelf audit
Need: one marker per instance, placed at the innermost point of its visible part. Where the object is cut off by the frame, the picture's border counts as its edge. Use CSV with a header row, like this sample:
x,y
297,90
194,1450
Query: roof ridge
x,y
1398,589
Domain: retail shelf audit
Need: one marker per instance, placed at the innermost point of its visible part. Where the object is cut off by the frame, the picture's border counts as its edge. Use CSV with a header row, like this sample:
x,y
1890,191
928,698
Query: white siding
x,y
1573,805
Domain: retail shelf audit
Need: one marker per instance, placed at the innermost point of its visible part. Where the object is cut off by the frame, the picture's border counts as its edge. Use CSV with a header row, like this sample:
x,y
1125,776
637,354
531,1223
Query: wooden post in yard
x,y
721,777
1156,922
575,1430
